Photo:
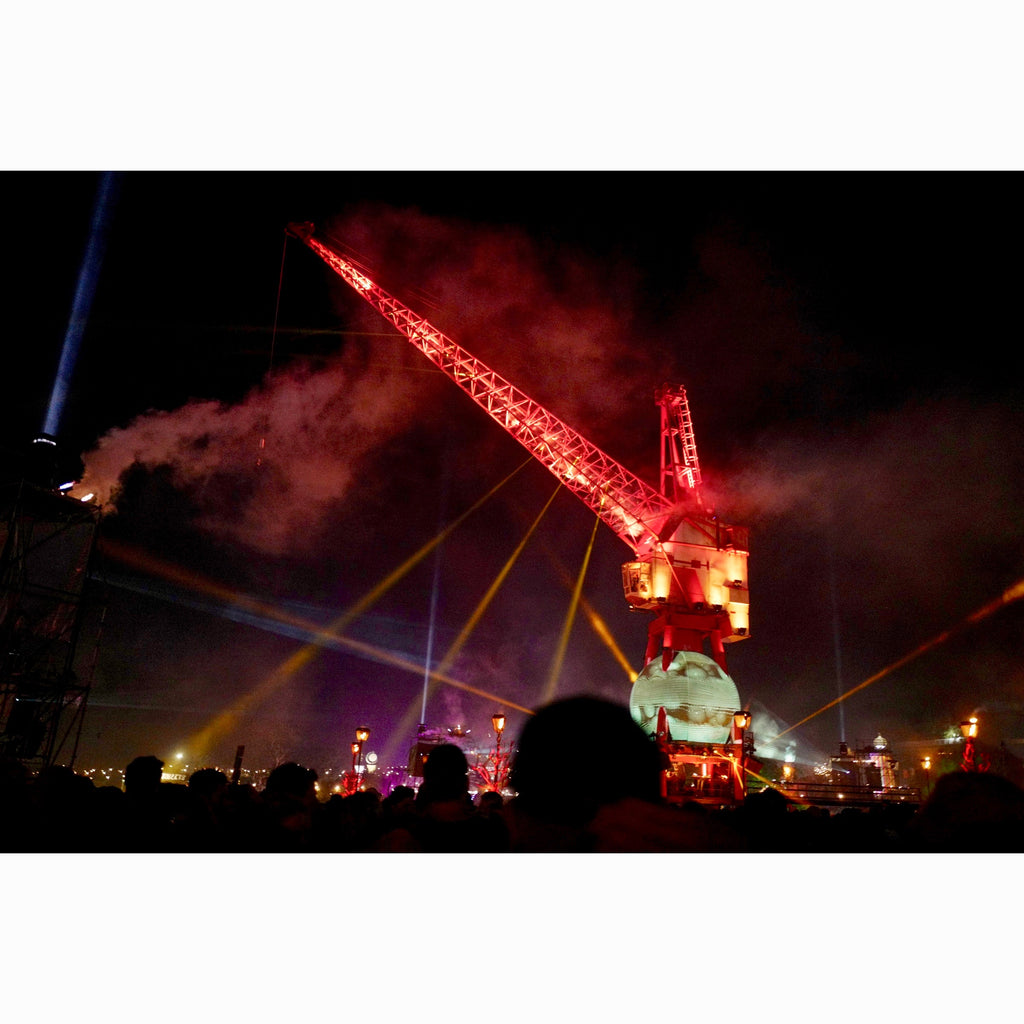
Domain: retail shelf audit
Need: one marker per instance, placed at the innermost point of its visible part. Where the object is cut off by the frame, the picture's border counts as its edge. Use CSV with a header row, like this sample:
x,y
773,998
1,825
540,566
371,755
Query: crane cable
x,y
273,341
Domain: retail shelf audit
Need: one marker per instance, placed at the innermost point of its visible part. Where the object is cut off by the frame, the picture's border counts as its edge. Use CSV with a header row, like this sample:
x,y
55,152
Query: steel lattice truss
x,y
680,468
632,508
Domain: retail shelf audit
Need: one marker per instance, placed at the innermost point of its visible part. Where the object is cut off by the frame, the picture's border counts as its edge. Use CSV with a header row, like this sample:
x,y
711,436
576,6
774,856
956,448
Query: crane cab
x,y
703,567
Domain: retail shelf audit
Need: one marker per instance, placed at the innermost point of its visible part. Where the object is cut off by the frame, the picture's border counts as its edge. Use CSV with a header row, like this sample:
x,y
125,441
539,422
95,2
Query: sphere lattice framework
x,y
698,697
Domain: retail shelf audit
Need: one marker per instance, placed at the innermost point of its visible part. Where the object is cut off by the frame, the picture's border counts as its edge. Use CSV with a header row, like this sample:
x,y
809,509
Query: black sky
x,y
847,340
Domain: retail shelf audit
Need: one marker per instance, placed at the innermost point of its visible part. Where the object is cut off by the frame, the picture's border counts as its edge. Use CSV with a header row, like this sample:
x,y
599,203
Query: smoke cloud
x,y
921,490
549,318
263,471
773,741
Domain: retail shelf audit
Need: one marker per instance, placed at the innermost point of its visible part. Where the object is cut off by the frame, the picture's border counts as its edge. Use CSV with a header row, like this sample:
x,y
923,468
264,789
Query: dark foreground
x,y
59,811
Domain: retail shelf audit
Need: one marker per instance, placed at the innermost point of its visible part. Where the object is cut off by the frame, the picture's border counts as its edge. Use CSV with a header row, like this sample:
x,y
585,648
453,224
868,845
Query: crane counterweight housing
x,y
688,568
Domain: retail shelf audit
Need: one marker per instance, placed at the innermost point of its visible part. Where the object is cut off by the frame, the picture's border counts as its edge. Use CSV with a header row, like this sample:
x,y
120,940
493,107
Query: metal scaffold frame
x,y
47,543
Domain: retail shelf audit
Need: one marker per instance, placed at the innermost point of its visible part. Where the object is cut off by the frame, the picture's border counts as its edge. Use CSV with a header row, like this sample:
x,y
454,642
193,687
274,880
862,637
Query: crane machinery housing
x,y
689,569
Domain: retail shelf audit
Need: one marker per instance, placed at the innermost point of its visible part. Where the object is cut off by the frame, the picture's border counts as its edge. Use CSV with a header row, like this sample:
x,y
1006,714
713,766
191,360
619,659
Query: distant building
x,y
874,767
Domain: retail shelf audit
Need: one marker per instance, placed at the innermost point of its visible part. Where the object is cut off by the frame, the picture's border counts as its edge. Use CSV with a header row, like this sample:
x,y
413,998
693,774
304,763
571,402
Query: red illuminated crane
x,y
689,568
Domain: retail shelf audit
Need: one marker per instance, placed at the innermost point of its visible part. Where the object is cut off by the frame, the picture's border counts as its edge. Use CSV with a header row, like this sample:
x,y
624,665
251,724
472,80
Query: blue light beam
x,y
88,274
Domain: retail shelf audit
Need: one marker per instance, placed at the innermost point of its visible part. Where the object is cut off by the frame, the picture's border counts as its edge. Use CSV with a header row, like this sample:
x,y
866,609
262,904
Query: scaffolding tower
x,y
47,540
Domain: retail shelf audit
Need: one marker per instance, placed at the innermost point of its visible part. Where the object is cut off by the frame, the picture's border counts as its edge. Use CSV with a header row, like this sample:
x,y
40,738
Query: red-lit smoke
x,y
315,425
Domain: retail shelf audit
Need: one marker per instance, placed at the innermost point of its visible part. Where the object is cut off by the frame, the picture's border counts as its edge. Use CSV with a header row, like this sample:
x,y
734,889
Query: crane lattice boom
x,y
632,508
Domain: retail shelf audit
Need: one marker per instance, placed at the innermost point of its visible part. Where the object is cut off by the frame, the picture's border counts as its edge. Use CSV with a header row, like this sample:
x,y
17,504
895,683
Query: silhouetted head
x,y
143,775
593,741
363,803
399,801
769,803
399,795
445,774
13,774
291,780
57,784
971,812
207,782
490,800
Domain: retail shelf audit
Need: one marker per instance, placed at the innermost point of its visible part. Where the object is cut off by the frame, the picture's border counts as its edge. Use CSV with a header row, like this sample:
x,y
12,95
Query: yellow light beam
x,y
405,726
223,722
334,631
597,623
471,623
139,559
296,661
570,618
600,627
1014,593
413,560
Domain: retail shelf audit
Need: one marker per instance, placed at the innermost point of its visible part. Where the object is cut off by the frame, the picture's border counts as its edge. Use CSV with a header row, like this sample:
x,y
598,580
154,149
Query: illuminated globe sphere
x,y
698,697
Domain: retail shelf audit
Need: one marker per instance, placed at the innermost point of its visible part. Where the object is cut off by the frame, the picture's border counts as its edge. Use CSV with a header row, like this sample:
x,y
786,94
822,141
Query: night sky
x,y
847,343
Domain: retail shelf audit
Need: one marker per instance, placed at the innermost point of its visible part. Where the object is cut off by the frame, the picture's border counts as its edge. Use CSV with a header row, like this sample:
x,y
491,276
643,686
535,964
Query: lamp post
x,y
740,723
352,780
362,735
970,734
926,765
498,725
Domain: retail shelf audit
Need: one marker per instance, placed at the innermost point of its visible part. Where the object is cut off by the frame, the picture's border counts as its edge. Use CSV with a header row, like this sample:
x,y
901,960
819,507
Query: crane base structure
x,y
689,568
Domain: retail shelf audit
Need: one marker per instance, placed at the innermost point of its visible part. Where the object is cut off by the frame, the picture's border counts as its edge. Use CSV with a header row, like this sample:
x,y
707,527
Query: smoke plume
x,y
553,321
262,471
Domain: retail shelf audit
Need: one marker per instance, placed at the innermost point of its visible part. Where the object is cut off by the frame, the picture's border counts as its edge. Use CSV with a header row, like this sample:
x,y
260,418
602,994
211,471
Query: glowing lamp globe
x,y
699,699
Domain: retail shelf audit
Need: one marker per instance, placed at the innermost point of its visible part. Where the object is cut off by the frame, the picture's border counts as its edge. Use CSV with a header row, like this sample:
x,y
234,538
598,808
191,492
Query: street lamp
x,y
499,772
740,723
926,765
362,735
970,734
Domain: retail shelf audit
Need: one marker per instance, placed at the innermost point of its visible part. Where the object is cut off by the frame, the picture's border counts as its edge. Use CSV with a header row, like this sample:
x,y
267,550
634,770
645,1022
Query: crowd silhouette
x,y
615,809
